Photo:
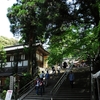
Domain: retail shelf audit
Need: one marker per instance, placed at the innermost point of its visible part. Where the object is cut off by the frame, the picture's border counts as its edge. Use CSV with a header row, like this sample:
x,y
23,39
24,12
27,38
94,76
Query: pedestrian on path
x,y
37,85
47,77
42,87
53,70
58,69
42,75
71,78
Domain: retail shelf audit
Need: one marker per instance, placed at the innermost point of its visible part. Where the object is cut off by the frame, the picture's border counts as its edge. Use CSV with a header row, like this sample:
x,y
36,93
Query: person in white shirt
x,y
42,75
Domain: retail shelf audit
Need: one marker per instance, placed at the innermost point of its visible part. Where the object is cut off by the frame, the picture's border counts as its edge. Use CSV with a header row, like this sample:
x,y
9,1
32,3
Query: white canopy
x,y
96,75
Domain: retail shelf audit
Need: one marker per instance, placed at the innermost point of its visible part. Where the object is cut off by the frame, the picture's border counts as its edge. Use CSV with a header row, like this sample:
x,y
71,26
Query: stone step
x,y
71,99
32,95
79,92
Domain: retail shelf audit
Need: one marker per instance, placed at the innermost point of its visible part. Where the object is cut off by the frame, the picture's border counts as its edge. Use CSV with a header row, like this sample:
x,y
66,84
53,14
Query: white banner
x,y
9,94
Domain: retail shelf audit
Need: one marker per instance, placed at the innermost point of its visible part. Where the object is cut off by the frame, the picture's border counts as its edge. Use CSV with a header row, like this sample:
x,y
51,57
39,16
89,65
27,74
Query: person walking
x,y
42,75
47,77
71,78
53,70
58,69
42,87
37,85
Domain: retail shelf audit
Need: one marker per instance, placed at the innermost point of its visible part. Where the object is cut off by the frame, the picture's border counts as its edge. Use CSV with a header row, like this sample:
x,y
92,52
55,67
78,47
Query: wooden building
x,y
19,55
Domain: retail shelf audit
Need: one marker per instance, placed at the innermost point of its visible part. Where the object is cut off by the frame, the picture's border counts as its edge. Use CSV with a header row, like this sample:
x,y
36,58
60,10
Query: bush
x,y
3,94
25,79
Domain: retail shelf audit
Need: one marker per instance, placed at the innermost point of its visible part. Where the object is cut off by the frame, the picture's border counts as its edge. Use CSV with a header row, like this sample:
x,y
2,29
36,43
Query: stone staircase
x,y
81,90
46,96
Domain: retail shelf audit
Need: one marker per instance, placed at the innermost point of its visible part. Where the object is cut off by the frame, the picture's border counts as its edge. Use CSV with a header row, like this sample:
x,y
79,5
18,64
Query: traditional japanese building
x,y
19,58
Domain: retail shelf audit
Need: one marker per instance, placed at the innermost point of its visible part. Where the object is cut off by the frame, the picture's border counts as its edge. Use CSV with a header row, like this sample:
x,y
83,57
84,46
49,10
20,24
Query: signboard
x,y
11,82
9,94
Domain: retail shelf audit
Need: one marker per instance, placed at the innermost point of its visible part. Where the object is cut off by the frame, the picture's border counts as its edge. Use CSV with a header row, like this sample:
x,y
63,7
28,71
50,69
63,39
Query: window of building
x,y
11,58
22,57
41,58
25,63
37,56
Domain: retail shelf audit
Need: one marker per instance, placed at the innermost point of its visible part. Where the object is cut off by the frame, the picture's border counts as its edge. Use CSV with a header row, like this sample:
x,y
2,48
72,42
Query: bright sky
x,y
4,22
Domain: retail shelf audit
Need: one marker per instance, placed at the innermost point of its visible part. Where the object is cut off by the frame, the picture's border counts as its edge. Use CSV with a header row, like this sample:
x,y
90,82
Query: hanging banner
x,y
9,94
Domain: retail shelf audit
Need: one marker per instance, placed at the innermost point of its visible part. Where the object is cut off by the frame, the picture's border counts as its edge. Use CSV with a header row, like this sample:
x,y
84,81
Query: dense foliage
x,y
4,41
74,28
22,17
71,27
2,58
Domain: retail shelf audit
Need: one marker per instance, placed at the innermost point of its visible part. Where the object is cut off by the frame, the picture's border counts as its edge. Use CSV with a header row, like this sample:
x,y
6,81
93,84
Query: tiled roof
x,y
9,48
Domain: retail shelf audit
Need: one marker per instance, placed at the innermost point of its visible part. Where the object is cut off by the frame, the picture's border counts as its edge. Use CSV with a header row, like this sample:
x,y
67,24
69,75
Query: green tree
x,y
75,28
4,41
2,58
70,44
23,21
73,25
23,18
